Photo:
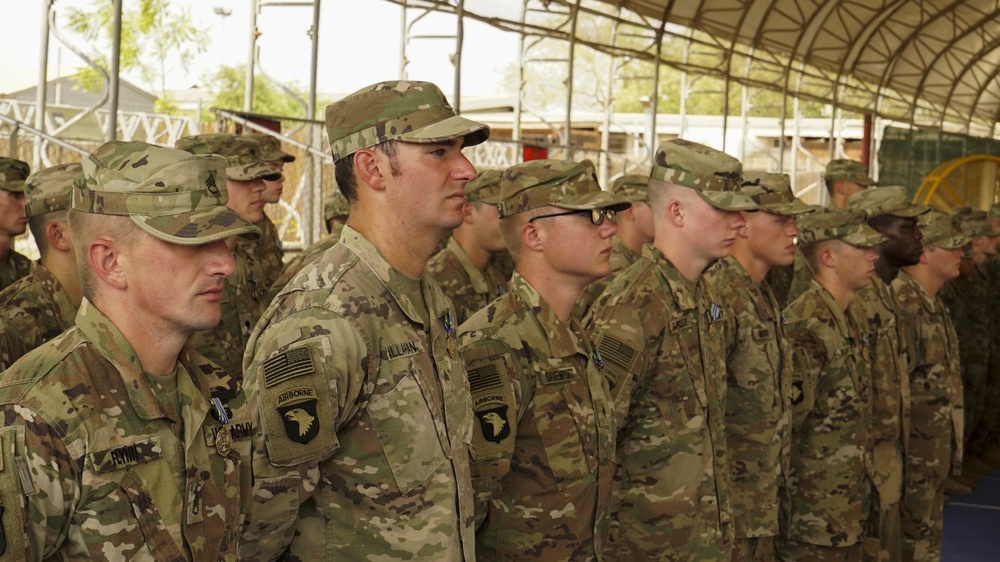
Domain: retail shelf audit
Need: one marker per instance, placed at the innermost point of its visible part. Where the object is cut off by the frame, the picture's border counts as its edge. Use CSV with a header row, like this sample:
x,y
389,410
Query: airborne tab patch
x,y
290,364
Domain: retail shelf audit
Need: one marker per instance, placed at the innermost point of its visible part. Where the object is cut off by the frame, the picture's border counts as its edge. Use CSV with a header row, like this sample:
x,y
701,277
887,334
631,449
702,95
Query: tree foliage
x,y
228,83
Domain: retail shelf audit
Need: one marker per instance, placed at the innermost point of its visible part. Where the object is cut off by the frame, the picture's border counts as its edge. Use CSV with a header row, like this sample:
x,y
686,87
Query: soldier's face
x,y
771,238
12,219
713,230
273,189
903,246
428,190
577,247
944,263
178,288
486,220
642,218
245,199
855,265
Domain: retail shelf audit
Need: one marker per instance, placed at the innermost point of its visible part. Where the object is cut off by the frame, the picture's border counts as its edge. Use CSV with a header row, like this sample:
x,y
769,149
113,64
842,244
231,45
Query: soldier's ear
x,y
368,169
675,212
57,236
531,236
106,260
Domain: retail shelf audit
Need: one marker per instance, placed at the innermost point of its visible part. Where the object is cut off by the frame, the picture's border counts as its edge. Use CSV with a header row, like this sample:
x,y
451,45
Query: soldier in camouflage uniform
x,y
658,329
13,265
464,269
43,305
119,441
245,297
364,402
269,245
826,514
758,363
635,229
543,451
843,178
335,212
991,452
890,212
935,441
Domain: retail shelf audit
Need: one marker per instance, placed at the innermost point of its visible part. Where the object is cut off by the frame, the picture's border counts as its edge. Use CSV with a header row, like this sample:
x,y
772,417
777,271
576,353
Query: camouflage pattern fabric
x,y
660,338
467,287
270,148
848,170
243,154
890,408
306,257
621,257
559,183
779,278
244,299
935,443
13,268
13,174
336,206
829,489
712,174
365,414
758,385
34,310
91,449
269,252
543,450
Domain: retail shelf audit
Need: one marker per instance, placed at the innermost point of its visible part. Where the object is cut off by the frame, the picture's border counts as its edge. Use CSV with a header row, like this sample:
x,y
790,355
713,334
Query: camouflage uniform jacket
x,y
467,287
758,381
306,257
33,310
890,388
269,253
621,257
543,452
359,392
660,338
935,374
243,302
13,268
104,465
829,486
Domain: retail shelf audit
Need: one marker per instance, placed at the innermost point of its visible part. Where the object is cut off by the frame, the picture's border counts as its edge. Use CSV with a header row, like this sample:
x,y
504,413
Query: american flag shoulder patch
x,y
616,351
484,377
288,365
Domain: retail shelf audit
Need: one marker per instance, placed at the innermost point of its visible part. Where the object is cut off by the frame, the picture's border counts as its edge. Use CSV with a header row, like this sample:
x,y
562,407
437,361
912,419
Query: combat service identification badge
x,y
298,412
494,423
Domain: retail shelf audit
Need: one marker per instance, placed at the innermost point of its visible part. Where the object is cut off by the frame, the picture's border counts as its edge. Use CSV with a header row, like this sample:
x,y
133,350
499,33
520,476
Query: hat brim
x,y
914,210
595,200
15,186
276,155
865,237
253,171
948,242
201,226
450,128
789,209
490,199
729,200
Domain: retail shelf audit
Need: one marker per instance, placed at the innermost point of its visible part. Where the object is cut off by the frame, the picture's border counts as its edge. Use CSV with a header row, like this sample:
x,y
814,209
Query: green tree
x,y
156,39
227,86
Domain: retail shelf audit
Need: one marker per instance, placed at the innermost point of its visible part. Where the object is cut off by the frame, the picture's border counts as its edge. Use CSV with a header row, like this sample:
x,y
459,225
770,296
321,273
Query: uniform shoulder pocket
x,y
492,370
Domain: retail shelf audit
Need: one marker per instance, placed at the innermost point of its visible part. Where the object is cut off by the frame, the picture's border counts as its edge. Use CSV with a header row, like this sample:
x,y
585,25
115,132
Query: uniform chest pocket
x,y
563,414
406,431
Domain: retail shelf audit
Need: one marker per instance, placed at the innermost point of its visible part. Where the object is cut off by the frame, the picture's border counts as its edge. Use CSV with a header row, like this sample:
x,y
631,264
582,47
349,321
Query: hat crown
x,y
50,189
13,172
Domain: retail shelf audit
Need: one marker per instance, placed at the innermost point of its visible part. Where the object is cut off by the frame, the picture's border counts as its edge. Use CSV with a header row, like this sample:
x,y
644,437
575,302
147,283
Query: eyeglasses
x,y
596,215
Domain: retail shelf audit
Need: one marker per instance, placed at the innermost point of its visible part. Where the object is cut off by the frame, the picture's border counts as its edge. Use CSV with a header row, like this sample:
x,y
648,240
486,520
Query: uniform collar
x,y
683,290
475,277
65,310
564,338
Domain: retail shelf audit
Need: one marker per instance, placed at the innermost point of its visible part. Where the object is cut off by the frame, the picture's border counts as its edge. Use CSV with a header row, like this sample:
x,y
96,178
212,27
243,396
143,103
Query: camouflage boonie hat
x,y
848,170
336,205
403,110
270,148
559,183
713,174
972,223
938,231
844,225
773,193
13,172
890,200
485,188
171,194
632,187
243,160
51,189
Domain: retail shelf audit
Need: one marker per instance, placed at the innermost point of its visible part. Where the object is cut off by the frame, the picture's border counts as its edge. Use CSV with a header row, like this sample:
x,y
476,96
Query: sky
x,y
359,44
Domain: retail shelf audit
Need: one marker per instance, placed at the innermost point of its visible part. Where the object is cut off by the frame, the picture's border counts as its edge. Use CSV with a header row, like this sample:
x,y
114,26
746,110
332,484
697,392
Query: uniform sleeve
x,y
37,487
305,379
618,334
808,358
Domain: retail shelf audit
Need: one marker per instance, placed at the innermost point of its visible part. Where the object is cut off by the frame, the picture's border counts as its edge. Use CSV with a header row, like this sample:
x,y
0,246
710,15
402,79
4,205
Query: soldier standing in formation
x,y
42,305
658,328
758,363
13,265
118,439
268,247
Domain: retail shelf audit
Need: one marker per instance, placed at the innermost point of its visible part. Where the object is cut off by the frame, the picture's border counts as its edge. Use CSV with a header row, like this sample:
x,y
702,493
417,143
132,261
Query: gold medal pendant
x,y
452,350
224,441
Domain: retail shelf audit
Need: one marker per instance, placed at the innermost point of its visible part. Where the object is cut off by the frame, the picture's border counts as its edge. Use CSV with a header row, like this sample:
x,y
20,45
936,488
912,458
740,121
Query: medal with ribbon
x,y
223,438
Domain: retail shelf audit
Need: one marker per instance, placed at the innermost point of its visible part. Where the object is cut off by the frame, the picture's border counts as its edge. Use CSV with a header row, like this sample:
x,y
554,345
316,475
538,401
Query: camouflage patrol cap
x,y
243,160
773,193
846,225
171,194
848,170
971,223
632,187
485,188
50,190
559,183
13,172
713,174
336,205
938,231
270,148
407,111
890,200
